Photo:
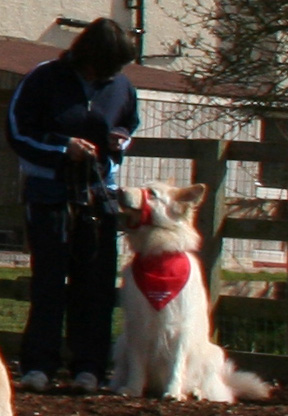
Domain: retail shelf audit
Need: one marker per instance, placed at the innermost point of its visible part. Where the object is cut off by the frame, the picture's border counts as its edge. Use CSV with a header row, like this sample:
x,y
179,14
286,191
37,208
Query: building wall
x,y
159,20
36,19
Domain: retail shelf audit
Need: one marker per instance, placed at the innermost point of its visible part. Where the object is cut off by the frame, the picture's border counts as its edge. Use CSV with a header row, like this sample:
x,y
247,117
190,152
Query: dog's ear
x,y
194,193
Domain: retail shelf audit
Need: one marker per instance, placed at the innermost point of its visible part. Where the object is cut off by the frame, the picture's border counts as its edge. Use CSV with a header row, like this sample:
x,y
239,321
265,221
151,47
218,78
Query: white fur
x,y
5,392
168,352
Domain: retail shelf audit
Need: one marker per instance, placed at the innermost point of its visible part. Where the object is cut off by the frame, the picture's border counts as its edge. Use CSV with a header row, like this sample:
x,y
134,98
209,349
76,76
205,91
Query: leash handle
x,y
94,165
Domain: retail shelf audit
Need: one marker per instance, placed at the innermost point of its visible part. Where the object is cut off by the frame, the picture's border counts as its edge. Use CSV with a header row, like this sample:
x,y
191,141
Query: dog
x,y
165,347
5,391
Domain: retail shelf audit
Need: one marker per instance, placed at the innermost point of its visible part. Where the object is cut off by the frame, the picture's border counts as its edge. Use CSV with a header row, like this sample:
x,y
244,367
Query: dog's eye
x,y
151,193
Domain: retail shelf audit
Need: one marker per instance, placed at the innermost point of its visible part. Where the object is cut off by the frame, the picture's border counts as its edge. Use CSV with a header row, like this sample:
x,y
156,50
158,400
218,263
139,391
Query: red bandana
x,y
161,278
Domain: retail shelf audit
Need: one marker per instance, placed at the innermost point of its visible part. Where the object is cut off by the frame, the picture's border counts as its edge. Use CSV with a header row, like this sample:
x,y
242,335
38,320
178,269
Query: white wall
x,y
36,20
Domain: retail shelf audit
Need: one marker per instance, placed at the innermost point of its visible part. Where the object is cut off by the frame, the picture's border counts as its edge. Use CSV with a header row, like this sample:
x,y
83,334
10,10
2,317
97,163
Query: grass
x,y
250,334
228,275
13,313
13,273
253,335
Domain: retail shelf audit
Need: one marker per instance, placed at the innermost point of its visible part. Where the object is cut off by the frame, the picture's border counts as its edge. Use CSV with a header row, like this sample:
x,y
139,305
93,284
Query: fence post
x,y
210,168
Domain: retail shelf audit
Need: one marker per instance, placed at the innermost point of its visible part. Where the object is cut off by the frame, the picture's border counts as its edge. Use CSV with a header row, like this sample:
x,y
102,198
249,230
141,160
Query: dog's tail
x,y
246,385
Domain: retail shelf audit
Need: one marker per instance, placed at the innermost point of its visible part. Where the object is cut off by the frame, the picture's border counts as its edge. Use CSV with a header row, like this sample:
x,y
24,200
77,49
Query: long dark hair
x,y
102,45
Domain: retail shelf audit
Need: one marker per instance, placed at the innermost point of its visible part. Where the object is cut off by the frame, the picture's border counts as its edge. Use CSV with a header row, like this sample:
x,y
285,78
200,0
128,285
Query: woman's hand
x,y
80,149
118,141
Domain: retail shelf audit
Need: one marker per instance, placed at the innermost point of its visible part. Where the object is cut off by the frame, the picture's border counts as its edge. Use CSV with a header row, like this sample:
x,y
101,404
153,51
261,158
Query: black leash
x,y
87,190
89,200
106,196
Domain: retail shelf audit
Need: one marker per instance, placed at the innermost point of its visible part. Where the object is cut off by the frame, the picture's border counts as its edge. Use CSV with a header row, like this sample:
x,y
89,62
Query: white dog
x,y
165,348
5,392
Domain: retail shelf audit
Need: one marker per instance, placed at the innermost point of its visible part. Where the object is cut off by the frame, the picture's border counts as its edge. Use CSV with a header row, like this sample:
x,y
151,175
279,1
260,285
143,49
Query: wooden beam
x,y
201,148
274,230
268,366
252,308
172,148
258,151
18,289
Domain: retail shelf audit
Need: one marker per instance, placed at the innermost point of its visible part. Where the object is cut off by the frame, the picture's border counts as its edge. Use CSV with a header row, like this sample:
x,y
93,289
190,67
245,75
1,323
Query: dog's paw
x,y
197,393
127,391
180,397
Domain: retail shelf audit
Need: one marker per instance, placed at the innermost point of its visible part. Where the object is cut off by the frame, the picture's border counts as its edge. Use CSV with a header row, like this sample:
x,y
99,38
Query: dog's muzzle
x,y
146,213
145,210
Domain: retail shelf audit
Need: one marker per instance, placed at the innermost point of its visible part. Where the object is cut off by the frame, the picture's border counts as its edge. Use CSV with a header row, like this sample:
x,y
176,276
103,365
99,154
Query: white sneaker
x,y
85,382
35,380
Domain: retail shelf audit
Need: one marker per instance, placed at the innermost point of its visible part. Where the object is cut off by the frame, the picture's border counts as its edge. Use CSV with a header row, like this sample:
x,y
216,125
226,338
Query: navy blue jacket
x,y
49,107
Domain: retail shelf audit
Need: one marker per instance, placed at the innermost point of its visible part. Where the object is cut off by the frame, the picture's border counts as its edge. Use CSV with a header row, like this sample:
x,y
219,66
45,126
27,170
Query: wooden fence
x,y
210,166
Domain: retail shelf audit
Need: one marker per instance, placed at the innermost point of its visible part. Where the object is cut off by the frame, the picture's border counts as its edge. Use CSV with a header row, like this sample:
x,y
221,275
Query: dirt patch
x,y
65,404
62,401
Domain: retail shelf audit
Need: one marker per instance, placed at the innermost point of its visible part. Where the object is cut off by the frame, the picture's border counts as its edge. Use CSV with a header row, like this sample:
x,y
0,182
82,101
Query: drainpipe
x,y
138,30
140,26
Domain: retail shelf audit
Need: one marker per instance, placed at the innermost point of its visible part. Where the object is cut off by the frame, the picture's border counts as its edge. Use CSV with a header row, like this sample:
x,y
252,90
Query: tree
x,y
238,48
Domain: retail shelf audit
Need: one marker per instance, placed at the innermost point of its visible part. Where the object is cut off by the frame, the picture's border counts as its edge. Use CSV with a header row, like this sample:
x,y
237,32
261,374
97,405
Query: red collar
x,y
161,278
146,215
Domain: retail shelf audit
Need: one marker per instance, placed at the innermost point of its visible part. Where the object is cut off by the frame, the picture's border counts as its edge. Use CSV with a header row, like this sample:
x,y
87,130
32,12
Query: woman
x,y
69,121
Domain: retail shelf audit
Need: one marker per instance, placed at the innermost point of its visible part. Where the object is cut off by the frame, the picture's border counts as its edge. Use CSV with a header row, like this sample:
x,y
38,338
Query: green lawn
x,y
228,275
13,313
13,272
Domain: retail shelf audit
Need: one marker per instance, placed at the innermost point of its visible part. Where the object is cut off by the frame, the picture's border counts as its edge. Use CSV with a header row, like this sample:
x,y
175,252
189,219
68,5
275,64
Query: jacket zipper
x,y
89,105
